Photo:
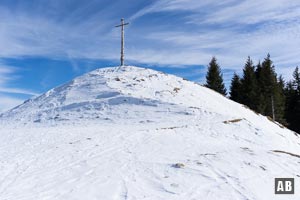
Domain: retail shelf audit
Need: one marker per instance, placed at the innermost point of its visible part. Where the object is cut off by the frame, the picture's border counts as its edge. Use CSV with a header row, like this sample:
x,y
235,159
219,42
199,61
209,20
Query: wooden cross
x,y
122,39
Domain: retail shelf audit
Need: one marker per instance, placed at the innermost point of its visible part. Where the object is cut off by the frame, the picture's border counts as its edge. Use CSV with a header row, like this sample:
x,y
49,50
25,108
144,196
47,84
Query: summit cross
x,y
122,39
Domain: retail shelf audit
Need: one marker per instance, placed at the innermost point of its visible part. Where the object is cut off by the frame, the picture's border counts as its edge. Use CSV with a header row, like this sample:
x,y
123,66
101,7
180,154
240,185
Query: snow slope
x,y
118,133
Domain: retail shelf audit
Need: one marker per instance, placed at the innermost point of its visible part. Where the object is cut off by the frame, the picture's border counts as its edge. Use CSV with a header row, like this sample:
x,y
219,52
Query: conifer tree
x,y
292,92
235,88
214,79
258,70
271,99
261,91
280,101
267,82
260,97
249,85
296,76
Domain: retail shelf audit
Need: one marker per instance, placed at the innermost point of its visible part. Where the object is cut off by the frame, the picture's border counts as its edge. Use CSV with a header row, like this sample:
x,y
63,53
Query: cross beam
x,y
122,39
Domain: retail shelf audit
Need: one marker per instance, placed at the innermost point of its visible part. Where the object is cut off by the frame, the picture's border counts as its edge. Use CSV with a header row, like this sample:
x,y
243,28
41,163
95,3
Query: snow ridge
x,y
135,133
109,91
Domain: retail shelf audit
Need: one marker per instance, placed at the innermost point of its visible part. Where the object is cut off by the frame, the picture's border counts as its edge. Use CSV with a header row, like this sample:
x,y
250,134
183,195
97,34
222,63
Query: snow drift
x,y
135,133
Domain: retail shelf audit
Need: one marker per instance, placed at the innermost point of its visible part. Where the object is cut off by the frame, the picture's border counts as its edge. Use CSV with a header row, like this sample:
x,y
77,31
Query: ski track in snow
x,y
117,134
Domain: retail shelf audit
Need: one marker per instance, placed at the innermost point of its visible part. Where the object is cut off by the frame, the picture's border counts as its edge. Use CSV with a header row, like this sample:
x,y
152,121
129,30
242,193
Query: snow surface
x,y
118,133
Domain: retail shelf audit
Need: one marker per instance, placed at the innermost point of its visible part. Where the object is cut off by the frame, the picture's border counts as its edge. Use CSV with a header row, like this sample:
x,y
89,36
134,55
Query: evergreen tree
x,y
260,97
281,82
267,83
261,91
279,102
292,92
296,76
214,79
258,70
235,88
249,86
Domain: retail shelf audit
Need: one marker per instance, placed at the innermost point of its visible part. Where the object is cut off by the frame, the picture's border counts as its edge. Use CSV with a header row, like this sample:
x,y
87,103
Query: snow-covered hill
x,y
135,133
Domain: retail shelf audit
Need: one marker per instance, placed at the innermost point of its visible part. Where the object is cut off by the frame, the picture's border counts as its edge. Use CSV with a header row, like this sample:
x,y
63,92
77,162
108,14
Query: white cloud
x,y
255,11
17,91
181,5
7,102
22,33
230,30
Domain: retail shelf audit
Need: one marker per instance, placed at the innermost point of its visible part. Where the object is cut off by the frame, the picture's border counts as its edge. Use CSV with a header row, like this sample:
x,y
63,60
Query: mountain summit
x,y
112,93
121,92
135,133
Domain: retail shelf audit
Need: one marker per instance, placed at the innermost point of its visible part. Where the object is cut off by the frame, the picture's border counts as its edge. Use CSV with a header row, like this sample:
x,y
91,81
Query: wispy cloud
x,y
253,12
7,102
17,91
177,33
230,30
36,34
7,93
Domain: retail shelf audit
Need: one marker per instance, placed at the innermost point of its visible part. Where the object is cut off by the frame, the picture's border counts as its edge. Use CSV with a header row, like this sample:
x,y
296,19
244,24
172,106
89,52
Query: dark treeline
x,y
262,90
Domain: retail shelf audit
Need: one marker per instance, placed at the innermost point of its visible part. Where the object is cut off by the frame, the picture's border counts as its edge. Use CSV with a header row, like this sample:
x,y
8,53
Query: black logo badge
x,y
284,186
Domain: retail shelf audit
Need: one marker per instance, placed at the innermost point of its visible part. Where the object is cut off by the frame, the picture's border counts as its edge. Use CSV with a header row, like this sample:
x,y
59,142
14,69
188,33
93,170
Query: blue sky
x,y
46,43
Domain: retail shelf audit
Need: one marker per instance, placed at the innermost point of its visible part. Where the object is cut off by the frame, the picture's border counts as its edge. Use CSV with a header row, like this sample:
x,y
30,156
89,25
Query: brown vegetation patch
x,y
251,109
263,168
176,89
232,121
152,75
195,107
178,165
270,119
172,127
291,154
208,154
277,123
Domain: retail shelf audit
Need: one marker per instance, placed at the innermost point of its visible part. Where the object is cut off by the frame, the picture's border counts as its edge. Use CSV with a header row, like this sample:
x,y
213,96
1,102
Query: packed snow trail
x,y
118,134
